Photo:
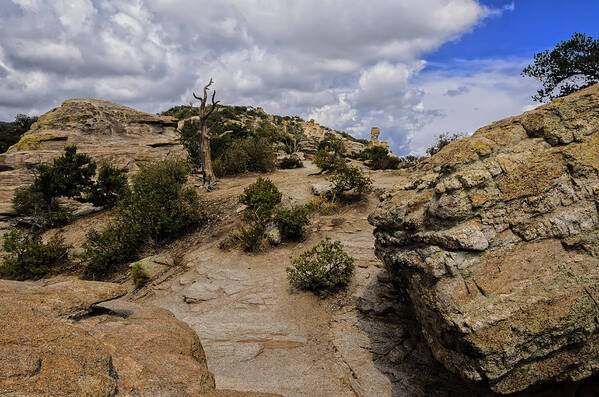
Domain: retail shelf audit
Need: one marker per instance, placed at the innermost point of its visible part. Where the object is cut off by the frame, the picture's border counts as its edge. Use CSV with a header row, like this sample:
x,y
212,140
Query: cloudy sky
x,y
415,68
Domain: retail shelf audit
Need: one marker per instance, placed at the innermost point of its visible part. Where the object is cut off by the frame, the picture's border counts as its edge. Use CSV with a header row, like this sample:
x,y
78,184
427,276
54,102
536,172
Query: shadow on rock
x,y
402,355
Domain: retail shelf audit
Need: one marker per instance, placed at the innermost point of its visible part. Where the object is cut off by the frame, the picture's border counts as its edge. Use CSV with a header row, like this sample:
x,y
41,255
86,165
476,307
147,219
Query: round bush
x,y
323,269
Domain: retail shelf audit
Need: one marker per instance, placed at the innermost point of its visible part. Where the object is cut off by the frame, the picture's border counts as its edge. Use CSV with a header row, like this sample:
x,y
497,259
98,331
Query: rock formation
x,y
374,138
104,130
70,337
495,241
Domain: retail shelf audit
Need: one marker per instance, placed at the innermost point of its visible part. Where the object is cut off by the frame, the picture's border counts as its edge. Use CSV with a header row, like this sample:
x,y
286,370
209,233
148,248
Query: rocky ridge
x,y
104,130
495,242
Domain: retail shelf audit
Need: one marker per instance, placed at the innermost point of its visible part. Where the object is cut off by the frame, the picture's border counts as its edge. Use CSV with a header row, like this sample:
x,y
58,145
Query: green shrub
x,y
262,157
323,269
118,243
379,158
69,175
39,212
160,202
158,207
349,178
291,222
261,197
290,162
111,184
331,143
27,256
234,161
442,141
139,275
251,236
327,161
250,154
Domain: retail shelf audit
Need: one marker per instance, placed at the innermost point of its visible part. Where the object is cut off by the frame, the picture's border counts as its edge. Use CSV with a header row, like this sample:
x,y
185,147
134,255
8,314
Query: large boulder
x,y
105,130
495,241
65,336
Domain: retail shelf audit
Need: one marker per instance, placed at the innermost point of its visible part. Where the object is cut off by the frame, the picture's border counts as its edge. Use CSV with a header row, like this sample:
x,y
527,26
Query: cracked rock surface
x,y
495,242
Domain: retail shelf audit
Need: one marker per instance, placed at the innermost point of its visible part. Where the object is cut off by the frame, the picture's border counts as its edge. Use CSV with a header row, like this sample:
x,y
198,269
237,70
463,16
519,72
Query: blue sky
x,y
532,26
414,68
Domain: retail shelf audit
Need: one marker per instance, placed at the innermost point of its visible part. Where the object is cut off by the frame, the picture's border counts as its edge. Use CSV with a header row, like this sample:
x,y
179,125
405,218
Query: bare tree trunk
x,y
205,136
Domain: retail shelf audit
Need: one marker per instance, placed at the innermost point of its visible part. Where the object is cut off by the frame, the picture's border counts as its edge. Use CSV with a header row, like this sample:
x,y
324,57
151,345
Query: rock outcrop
x,y
495,241
106,131
70,337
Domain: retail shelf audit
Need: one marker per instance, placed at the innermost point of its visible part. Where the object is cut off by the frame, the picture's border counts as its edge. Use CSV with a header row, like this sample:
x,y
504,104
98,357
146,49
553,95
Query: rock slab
x,y
495,241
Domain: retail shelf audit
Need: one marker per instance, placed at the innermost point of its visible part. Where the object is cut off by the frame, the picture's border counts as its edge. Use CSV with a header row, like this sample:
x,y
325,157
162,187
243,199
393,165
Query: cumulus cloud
x,y
349,65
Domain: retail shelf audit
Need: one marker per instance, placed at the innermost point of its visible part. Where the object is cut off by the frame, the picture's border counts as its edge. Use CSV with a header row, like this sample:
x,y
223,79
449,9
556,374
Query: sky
x,y
414,68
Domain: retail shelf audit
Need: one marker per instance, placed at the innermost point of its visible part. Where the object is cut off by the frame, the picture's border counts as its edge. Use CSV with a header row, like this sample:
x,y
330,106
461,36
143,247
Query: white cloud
x,y
349,65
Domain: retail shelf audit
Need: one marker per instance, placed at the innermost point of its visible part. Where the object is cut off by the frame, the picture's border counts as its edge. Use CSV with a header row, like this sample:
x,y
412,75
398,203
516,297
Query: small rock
x,y
273,234
320,188
363,265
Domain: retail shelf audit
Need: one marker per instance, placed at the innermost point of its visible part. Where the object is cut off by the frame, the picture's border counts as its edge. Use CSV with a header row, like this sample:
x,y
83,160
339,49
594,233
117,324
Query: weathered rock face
x,y
106,131
495,240
57,336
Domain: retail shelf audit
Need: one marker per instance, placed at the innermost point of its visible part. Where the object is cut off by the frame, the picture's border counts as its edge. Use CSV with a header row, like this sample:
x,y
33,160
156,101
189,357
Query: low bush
x,y
118,243
378,158
290,162
27,256
250,154
139,275
291,222
348,178
442,141
69,175
39,212
323,269
251,237
324,204
110,185
261,198
157,208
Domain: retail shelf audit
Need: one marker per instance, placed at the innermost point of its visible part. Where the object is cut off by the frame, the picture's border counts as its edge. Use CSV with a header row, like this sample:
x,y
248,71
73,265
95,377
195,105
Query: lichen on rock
x,y
497,250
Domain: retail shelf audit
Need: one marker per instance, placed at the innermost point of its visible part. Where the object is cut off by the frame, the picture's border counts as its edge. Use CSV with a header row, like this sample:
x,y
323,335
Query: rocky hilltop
x,y
106,131
495,241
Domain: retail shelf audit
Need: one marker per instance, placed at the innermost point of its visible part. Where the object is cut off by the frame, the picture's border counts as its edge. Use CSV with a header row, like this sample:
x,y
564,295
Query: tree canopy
x,y
571,66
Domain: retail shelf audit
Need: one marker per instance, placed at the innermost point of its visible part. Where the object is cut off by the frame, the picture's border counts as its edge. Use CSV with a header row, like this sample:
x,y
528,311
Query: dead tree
x,y
205,136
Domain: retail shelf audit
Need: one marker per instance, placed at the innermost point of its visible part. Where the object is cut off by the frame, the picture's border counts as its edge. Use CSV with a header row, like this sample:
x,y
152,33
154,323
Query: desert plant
x,y
442,141
110,185
138,275
350,178
118,243
325,204
251,236
261,198
378,158
262,157
323,269
290,162
27,256
158,207
291,222
69,175
160,202
39,212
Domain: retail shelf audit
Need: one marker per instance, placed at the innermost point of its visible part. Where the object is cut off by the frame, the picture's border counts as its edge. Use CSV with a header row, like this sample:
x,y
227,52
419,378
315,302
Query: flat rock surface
x,y
56,337
494,241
